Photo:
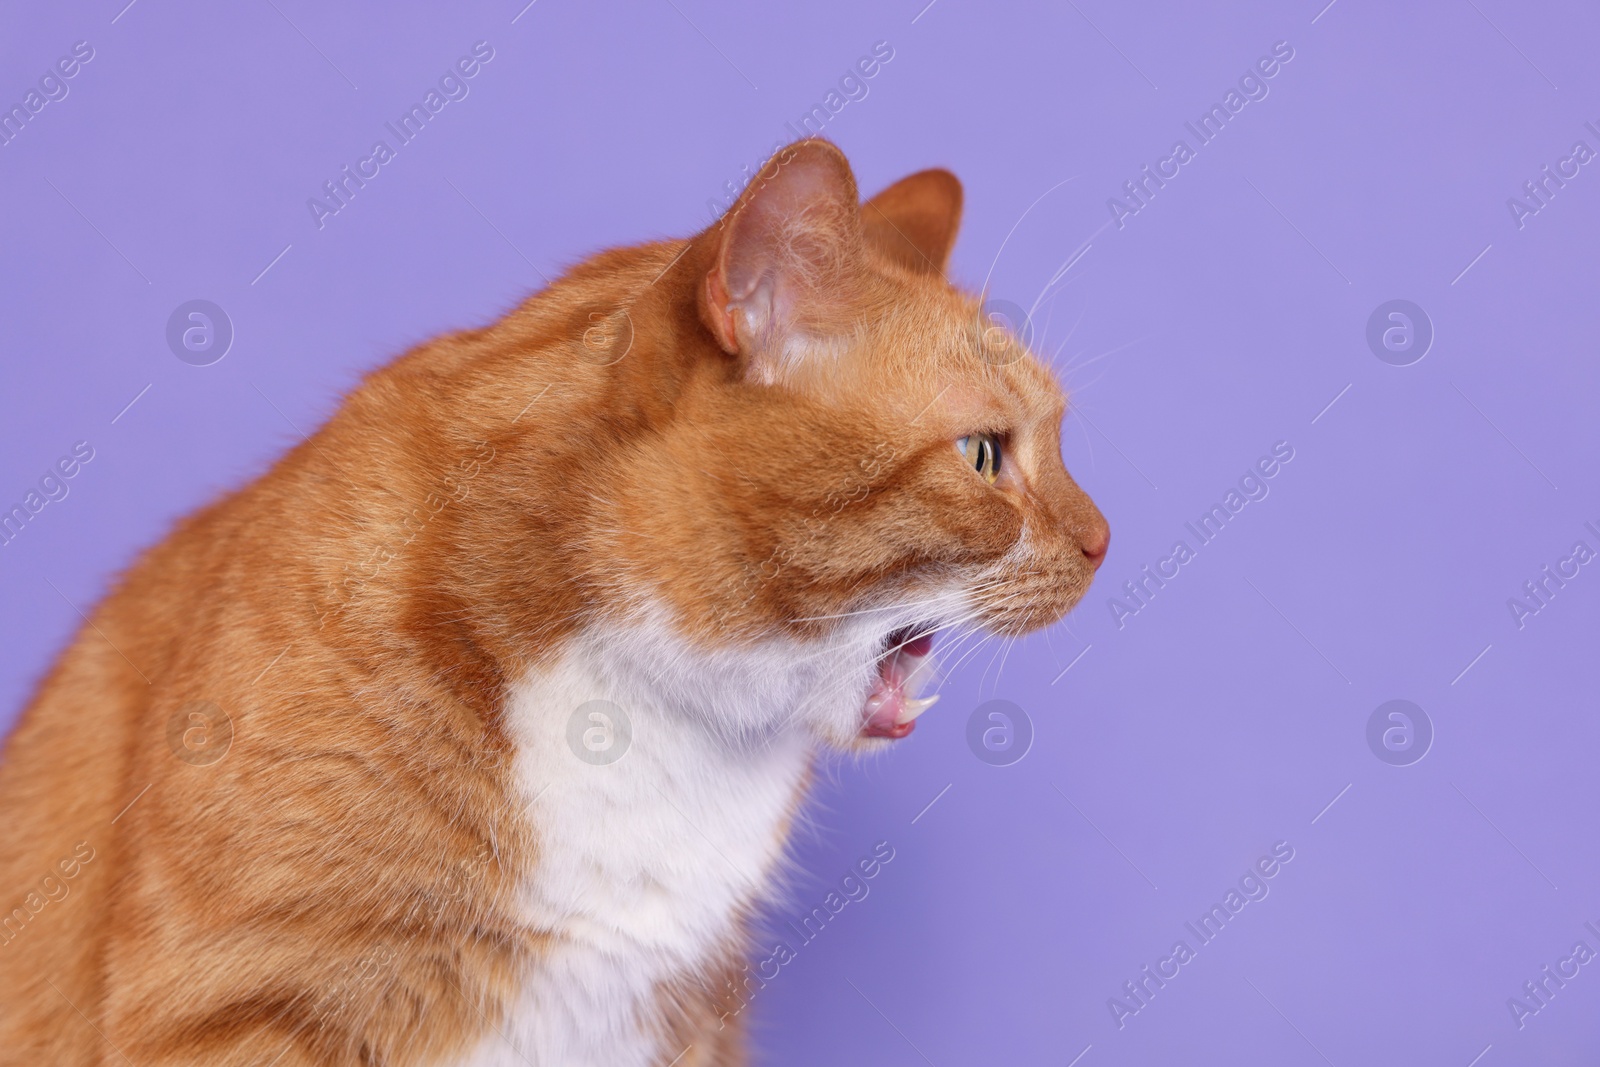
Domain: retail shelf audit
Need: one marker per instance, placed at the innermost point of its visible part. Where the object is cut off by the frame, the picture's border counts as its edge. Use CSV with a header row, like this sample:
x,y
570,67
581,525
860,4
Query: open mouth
x,y
893,705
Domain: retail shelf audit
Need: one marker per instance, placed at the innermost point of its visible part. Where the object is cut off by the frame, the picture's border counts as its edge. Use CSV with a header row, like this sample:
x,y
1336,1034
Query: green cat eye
x,y
981,452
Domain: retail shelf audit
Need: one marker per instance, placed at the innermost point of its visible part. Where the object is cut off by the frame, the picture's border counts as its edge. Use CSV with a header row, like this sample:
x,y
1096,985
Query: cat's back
x,y
141,710
265,677
67,781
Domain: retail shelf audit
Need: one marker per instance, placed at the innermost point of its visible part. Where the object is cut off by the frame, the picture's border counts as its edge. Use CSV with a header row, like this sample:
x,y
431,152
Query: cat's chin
x,y
892,705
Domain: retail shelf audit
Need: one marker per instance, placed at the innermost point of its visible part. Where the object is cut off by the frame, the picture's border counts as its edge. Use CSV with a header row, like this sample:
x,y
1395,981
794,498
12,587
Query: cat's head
x,y
856,455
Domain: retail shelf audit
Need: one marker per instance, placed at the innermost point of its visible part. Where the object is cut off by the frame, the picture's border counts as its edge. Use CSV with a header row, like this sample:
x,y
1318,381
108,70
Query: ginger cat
x,y
471,733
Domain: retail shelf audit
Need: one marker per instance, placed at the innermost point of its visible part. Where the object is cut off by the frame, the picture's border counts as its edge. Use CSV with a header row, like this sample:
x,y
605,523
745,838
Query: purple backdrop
x,y
1221,309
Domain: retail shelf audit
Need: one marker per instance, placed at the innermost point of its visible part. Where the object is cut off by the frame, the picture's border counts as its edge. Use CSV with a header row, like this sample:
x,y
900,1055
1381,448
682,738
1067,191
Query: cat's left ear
x,y
788,257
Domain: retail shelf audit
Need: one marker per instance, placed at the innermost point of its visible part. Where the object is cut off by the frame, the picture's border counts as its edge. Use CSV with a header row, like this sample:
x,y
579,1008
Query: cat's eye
x,y
981,452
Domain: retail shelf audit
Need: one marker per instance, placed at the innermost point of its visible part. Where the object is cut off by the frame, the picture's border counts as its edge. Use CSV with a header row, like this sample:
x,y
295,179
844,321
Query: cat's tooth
x,y
912,708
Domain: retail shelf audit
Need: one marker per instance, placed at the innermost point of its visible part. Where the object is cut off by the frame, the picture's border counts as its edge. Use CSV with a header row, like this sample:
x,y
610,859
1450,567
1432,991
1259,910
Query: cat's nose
x,y
1095,540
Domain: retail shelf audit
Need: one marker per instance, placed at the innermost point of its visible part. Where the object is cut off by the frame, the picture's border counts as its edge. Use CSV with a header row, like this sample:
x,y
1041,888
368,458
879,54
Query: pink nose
x,y
1095,541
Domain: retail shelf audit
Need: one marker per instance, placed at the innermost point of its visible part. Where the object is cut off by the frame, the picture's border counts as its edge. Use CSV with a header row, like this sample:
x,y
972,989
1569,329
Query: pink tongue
x,y
887,699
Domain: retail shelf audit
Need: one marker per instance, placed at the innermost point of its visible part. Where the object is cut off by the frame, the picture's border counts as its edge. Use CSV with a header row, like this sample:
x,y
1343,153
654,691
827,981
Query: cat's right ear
x,y
787,255
914,221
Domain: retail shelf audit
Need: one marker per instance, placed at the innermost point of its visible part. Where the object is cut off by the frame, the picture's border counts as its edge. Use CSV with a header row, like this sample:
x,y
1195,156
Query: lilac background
x,y
1224,317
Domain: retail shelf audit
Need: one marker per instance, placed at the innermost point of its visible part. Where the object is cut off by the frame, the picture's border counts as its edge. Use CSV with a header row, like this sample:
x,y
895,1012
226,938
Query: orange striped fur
x,y
728,443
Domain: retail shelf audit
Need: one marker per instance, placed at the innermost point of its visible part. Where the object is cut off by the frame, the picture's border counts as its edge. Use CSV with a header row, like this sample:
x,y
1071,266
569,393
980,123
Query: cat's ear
x,y
914,221
787,255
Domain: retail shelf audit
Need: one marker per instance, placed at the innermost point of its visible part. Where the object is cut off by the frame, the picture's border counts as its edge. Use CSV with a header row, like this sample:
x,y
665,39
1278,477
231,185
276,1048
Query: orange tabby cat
x,y
471,733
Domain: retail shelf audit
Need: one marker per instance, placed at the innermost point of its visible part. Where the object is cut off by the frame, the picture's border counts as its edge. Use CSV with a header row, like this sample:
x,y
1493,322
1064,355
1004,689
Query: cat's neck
x,y
657,833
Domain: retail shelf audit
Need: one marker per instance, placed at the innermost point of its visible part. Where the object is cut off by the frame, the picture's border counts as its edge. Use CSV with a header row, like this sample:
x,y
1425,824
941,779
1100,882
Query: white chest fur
x,y
643,863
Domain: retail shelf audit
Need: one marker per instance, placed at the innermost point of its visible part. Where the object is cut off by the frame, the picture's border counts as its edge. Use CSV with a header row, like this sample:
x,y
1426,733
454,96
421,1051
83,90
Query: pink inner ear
x,y
790,251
